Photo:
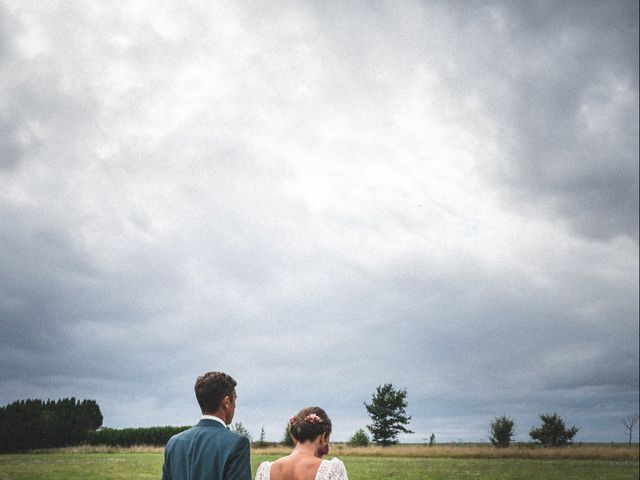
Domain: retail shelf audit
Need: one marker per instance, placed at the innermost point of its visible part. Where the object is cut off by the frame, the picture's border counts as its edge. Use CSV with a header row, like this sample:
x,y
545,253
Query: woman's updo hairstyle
x,y
309,423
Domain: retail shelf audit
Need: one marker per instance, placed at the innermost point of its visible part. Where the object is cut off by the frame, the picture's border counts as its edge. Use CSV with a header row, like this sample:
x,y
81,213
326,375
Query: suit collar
x,y
206,422
214,418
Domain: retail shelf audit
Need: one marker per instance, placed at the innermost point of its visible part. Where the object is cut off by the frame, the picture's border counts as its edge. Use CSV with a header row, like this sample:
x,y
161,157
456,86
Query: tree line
x,y
34,424
387,411
31,424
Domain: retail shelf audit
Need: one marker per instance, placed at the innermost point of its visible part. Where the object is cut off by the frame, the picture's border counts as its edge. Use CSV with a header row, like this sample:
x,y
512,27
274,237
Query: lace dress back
x,y
329,470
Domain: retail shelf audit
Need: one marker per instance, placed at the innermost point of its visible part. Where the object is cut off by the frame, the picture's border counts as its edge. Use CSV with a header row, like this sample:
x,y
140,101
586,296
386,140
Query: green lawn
x,y
94,466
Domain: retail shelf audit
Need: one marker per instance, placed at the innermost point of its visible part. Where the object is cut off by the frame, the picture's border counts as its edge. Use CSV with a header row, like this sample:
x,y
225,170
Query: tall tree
x,y
629,422
553,432
263,439
501,431
388,414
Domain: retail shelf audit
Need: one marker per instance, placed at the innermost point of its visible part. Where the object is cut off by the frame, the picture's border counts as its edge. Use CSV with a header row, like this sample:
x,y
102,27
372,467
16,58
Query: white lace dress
x,y
329,470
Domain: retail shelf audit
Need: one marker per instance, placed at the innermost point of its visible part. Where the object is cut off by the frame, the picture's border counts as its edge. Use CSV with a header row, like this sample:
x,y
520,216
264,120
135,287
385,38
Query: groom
x,y
208,451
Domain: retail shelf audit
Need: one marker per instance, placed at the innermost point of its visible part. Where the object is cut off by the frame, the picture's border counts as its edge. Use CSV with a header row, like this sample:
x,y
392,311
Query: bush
x,y
553,432
359,439
129,437
501,431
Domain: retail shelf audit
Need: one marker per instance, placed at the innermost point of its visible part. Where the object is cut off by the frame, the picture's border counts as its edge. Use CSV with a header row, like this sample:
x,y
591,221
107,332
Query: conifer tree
x,y
388,414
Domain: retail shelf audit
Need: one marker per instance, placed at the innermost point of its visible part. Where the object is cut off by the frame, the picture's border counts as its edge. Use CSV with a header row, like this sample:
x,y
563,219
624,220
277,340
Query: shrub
x,y
359,439
128,437
501,431
553,432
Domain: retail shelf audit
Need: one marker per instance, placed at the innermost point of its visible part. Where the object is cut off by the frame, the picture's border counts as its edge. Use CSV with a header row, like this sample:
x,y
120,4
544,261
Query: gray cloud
x,y
564,92
318,200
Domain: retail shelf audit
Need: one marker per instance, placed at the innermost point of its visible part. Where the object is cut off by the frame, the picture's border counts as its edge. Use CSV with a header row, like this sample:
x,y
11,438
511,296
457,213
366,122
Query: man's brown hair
x,y
211,388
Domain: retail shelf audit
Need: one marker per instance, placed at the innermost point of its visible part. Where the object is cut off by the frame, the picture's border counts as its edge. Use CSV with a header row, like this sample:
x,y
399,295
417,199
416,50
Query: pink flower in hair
x,y
312,418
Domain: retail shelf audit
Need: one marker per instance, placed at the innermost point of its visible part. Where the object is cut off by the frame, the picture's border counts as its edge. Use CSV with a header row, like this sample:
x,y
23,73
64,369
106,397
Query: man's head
x,y
216,395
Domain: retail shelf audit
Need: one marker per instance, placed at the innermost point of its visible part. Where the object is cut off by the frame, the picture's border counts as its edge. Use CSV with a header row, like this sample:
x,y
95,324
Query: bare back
x,y
295,467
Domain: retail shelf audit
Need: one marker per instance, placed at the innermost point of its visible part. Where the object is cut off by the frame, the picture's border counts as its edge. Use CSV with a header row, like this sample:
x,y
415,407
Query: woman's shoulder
x,y
263,471
332,469
335,462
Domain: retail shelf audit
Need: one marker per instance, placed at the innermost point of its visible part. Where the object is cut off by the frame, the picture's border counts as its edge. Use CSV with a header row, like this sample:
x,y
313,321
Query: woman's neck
x,y
305,448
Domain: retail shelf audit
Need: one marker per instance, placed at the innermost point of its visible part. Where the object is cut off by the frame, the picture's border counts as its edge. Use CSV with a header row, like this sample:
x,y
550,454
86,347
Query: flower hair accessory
x,y
324,450
313,419
293,420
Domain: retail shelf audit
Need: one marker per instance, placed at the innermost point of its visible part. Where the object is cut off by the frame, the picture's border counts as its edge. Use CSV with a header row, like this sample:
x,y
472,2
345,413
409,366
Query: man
x,y
208,451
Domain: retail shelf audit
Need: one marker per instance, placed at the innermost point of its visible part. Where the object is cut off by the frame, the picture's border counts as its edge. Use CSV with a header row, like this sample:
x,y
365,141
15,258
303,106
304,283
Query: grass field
x,y
391,464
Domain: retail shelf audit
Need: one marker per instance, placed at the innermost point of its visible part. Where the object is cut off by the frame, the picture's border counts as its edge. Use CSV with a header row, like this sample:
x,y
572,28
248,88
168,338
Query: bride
x,y
310,430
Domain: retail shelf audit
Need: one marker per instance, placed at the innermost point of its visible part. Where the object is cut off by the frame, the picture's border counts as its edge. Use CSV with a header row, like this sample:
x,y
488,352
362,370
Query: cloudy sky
x,y
318,198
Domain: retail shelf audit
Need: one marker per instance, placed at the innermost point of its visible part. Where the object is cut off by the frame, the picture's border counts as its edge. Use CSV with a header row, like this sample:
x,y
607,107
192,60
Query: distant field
x,y
599,451
481,451
401,463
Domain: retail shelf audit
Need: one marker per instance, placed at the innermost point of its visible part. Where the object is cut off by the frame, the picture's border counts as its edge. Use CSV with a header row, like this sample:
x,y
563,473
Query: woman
x,y
310,430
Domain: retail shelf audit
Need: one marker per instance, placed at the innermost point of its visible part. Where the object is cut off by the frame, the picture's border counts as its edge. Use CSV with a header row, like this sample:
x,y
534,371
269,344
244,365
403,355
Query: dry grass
x,y
574,452
105,449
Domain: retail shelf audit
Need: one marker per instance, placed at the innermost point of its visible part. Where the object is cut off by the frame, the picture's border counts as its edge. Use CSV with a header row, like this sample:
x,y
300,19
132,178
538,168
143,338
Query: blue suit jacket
x,y
207,451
